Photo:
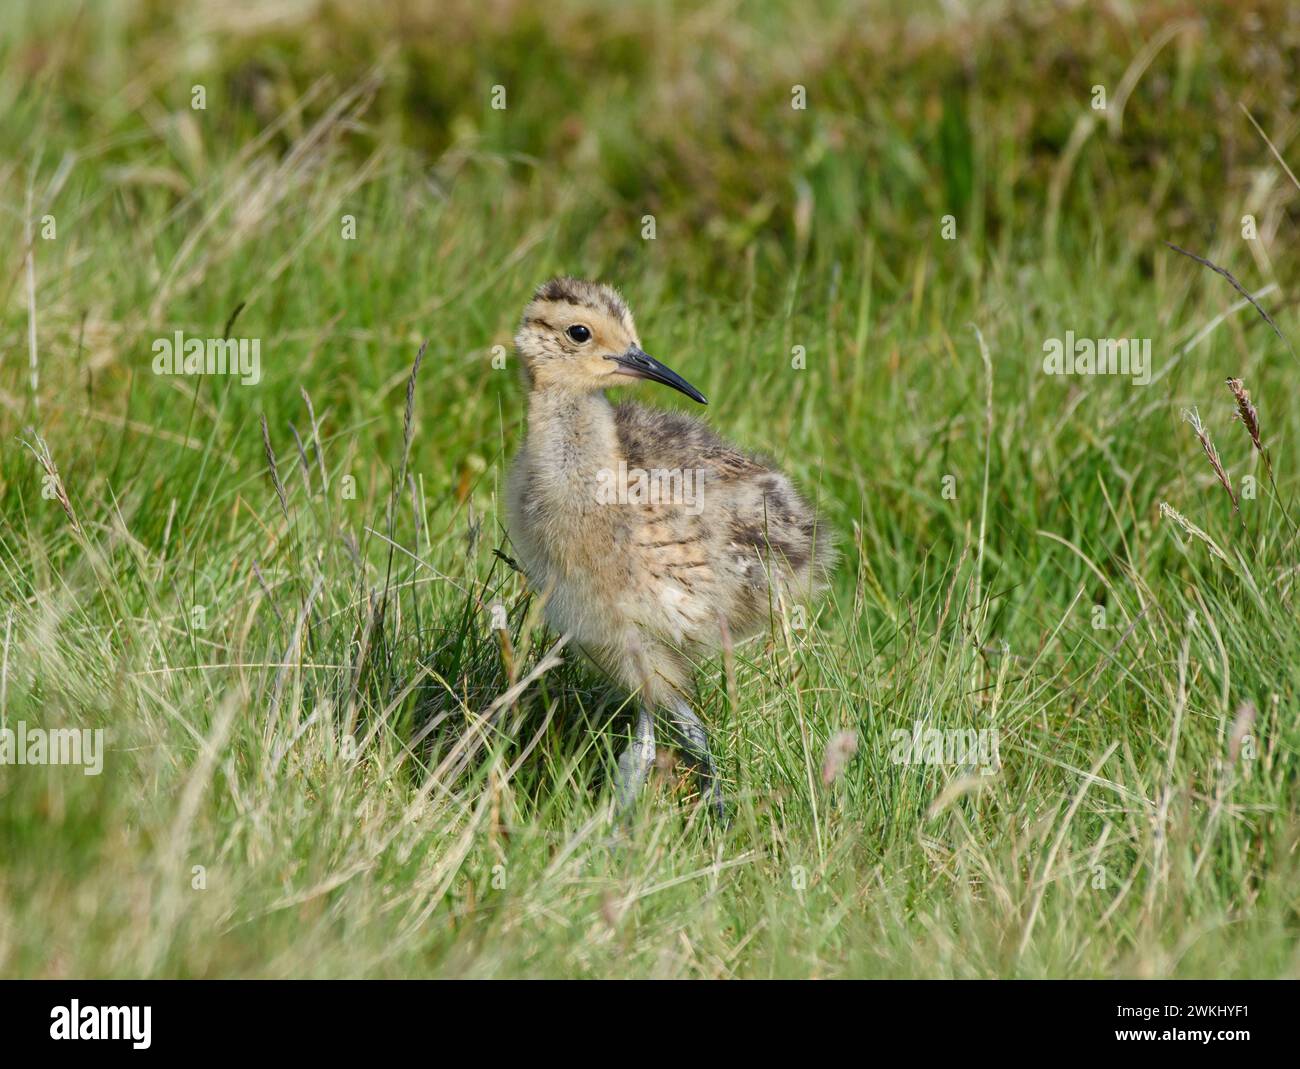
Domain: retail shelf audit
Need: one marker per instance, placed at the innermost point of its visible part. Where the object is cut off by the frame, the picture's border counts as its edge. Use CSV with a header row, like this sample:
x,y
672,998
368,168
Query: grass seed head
x,y
1249,416
839,752
1194,418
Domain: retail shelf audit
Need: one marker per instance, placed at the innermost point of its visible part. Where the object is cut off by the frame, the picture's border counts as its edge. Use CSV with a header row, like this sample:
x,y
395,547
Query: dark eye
x,y
578,333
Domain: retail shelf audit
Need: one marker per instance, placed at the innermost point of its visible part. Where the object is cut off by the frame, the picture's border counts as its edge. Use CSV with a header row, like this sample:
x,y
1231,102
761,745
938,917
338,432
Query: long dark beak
x,y
644,366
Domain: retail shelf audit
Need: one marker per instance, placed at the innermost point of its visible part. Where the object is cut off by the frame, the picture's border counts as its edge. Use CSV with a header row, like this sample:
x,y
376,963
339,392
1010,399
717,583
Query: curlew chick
x,y
650,539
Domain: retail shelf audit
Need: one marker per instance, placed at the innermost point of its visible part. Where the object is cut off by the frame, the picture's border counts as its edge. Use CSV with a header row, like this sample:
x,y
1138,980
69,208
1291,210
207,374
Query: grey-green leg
x,y
635,762
695,745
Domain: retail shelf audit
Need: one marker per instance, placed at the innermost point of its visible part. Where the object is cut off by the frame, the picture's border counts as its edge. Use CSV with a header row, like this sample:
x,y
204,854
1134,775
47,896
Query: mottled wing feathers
x,y
659,438
753,510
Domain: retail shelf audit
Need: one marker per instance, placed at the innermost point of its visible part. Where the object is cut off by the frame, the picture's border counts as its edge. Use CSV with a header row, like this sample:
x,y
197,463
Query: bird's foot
x,y
718,807
695,746
634,765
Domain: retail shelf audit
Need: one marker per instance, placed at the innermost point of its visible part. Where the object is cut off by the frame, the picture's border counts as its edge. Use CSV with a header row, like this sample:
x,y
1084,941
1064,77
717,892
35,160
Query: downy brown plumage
x,y
644,585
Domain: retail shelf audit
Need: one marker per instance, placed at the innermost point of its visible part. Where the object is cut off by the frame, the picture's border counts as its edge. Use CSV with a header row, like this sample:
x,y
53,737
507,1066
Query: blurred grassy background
x,y
313,736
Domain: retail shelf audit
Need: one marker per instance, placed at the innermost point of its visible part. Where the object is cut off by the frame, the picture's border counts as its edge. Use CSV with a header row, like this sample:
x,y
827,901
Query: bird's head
x,y
578,337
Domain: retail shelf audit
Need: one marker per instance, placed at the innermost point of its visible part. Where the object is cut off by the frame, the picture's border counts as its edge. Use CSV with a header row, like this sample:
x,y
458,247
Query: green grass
x,y
309,711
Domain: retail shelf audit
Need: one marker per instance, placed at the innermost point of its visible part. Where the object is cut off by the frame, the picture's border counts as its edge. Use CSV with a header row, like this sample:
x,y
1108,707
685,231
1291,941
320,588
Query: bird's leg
x,y
695,745
635,762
